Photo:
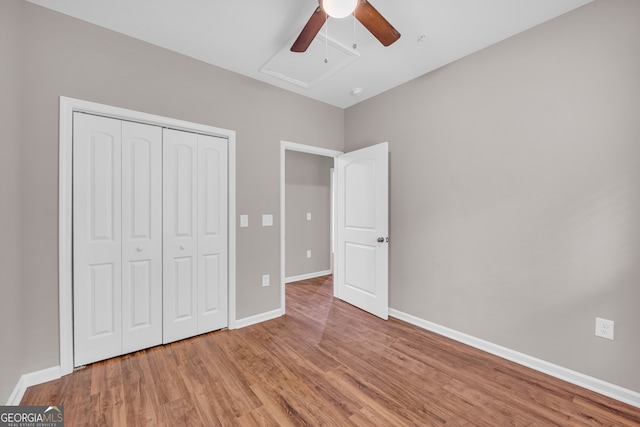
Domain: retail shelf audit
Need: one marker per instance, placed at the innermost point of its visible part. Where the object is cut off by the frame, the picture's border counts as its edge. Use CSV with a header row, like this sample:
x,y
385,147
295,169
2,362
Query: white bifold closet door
x,y
149,236
117,237
141,236
194,234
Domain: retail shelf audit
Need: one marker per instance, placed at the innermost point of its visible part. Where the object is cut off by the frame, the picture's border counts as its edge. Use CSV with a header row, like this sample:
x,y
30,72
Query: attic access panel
x,y
308,69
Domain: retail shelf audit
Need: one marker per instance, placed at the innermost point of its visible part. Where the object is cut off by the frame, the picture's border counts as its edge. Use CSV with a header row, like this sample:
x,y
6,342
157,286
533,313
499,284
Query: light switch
x,y
265,280
308,216
244,220
267,220
308,254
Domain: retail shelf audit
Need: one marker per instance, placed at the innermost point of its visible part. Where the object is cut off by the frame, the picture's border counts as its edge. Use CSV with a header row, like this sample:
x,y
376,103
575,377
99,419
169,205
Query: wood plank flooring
x,y
325,363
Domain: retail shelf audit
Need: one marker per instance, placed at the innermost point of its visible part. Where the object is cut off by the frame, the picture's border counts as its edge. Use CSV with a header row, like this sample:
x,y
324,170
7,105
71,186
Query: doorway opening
x,y
361,225
308,217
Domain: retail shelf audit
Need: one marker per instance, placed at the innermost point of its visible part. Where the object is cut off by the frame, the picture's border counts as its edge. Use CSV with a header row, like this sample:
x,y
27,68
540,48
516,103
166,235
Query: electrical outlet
x,y
267,220
308,254
604,328
265,280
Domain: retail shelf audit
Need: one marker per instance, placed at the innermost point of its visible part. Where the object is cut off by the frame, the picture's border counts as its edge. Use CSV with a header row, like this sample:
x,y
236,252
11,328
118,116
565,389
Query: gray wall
x,y
307,189
515,190
11,329
65,56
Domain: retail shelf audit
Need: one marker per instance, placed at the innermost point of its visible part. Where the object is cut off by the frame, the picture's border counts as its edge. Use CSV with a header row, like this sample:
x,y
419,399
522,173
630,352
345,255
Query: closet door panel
x,y
141,236
97,229
180,240
212,233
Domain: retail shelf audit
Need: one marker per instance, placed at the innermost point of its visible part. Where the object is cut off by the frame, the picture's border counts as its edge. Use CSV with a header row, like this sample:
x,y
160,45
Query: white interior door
x,y
141,236
362,250
180,222
97,252
212,233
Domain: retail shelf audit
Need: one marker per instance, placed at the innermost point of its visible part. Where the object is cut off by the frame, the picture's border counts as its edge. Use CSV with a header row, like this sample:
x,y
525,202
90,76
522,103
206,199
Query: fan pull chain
x,y
326,40
355,45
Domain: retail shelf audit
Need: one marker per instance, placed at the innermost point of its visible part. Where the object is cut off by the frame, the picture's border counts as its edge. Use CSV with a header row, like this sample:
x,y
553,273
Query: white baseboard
x,y
307,276
258,318
54,373
590,383
33,378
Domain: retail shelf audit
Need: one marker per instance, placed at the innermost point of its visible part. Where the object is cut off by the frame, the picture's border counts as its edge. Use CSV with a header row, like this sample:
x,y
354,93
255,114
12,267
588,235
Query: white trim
x,y
310,149
332,213
65,257
259,318
307,276
31,379
590,383
65,227
231,223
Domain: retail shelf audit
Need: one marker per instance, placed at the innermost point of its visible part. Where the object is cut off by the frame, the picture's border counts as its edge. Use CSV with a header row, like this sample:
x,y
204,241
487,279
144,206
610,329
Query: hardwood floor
x,y
325,363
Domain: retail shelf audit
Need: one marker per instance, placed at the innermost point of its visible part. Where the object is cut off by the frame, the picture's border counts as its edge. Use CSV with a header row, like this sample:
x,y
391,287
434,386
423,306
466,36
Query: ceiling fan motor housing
x,y
338,8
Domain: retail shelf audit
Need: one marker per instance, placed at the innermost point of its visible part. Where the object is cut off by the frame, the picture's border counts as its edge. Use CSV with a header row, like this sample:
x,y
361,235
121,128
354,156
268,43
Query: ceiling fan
x,y
363,12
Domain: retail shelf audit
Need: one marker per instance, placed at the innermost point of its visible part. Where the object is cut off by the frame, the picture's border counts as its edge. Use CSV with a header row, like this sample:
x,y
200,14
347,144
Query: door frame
x,y
65,225
310,149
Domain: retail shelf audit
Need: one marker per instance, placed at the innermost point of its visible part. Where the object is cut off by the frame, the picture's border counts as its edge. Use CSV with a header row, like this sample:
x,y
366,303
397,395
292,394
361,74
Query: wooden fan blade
x,y
310,31
375,23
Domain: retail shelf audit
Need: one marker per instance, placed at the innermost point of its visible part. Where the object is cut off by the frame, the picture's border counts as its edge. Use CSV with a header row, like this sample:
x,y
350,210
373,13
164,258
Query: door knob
x,y
139,249
380,239
182,247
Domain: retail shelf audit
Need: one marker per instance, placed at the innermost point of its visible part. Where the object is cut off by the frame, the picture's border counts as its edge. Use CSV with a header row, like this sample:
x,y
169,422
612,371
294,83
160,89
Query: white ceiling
x,y
246,35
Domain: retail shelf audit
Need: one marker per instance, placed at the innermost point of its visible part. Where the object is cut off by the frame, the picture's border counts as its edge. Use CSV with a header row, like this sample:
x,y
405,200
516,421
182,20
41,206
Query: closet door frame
x,y
65,226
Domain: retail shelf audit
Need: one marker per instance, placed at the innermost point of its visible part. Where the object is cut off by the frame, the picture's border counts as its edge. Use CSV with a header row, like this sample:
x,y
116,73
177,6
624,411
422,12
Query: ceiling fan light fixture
x,y
339,8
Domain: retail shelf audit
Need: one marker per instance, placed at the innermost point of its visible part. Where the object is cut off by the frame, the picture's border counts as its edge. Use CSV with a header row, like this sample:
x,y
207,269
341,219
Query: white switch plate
x,y
244,220
308,216
265,280
267,220
308,254
604,328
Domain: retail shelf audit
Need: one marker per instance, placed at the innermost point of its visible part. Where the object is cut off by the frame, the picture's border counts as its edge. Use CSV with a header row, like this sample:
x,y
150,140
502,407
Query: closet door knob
x,y
181,247
139,249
